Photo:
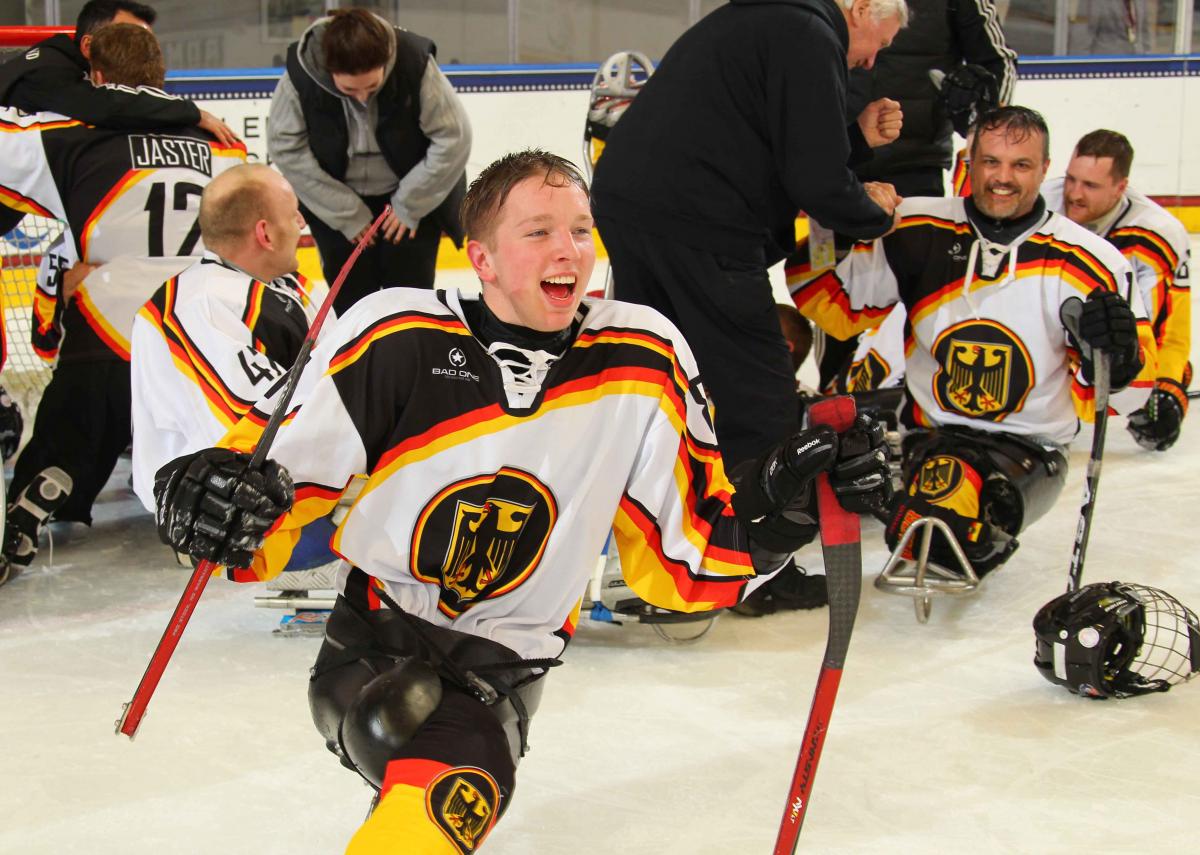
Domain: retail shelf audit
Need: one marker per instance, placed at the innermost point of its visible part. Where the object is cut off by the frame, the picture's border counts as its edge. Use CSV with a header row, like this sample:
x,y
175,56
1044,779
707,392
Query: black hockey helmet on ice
x,y
1116,640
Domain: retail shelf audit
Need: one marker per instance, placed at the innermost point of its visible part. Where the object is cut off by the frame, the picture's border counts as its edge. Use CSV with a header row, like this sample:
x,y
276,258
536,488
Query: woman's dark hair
x,y
355,41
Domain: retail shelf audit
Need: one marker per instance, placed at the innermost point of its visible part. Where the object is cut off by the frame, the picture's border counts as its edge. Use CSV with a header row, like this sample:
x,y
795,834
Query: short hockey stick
x,y
135,710
1070,314
841,547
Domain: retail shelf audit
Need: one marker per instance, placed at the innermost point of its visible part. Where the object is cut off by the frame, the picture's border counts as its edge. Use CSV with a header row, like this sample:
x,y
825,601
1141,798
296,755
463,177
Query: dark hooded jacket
x,y
52,76
742,126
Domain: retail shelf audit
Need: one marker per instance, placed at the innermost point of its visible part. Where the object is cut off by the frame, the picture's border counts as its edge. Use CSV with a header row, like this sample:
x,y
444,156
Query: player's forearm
x,y
982,42
1175,342
120,109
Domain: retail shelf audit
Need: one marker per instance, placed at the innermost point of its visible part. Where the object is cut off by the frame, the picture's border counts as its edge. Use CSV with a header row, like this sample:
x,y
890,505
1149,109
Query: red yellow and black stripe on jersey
x,y
1147,245
8,127
11,198
825,301
1155,252
254,302
96,321
656,577
189,358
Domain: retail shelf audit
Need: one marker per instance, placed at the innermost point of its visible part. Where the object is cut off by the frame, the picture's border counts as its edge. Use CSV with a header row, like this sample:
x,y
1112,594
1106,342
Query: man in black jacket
x,y
741,127
364,118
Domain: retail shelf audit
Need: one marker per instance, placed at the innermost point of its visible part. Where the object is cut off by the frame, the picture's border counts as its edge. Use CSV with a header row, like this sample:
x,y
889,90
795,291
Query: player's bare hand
x,y
220,130
393,229
884,195
73,277
881,121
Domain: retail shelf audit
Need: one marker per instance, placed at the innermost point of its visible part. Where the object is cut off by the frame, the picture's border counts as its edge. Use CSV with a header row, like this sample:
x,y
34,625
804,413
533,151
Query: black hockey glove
x,y
1156,425
966,93
11,425
774,497
1108,324
860,478
212,506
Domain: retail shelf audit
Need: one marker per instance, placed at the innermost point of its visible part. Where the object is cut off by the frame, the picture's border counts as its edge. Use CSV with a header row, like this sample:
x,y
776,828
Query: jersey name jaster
x,y
159,152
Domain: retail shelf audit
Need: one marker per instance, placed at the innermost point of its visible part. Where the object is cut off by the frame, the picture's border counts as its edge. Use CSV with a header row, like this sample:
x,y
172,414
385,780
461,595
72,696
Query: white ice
x,y
944,737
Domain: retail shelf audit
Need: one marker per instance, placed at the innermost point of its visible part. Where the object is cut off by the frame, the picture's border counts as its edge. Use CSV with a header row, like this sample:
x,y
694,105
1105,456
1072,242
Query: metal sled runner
x,y
922,579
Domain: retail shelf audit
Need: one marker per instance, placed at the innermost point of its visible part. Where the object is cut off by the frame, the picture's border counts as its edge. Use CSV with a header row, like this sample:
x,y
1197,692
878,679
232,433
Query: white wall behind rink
x,y
1160,115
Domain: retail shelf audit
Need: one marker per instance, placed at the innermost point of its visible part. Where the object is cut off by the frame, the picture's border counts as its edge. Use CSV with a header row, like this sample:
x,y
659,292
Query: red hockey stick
x,y
841,549
135,710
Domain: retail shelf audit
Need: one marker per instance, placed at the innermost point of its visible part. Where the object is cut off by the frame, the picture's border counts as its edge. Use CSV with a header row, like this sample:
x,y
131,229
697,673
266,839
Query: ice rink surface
x,y
944,738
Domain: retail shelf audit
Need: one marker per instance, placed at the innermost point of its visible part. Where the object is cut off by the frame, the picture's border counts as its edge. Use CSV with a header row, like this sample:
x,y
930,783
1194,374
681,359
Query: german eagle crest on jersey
x,y
867,373
483,536
984,371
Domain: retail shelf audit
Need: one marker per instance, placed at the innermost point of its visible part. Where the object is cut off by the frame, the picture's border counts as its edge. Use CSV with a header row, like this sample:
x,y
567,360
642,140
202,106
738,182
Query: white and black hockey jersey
x,y
1157,247
205,347
123,195
485,510
984,344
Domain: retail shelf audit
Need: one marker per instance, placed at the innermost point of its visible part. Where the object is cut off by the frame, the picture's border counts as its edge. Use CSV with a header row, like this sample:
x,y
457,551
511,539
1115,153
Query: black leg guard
x,y
374,686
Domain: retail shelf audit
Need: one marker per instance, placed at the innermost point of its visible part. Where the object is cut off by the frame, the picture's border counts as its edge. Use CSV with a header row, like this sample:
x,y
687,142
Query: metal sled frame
x,y
672,627
923,579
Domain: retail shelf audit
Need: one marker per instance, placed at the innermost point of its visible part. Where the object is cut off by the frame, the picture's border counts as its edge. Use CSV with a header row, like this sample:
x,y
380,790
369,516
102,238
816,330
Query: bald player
x,y
213,339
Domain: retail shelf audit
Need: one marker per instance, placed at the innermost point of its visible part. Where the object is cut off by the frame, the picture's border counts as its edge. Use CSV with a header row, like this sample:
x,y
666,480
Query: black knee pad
x,y
385,714
332,690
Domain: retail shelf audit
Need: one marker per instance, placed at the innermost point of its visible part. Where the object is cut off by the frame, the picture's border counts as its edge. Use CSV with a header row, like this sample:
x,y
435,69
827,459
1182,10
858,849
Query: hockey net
x,y
25,373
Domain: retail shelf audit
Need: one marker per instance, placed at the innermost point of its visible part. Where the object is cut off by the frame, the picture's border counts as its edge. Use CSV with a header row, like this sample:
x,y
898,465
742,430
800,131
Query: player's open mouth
x,y
559,288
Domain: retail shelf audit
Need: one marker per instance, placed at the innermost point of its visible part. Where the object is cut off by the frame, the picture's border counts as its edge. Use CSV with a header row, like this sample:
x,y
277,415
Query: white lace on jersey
x,y
523,371
993,253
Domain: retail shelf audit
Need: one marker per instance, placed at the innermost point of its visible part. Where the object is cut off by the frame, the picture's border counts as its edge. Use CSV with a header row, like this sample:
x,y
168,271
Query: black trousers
x,y
83,424
409,263
725,309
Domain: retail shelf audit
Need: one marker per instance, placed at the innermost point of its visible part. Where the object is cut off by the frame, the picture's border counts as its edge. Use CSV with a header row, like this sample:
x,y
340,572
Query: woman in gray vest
x,y
363,117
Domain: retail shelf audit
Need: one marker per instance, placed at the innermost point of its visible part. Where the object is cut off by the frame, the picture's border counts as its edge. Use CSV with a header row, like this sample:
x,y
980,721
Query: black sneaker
x,y
791,589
